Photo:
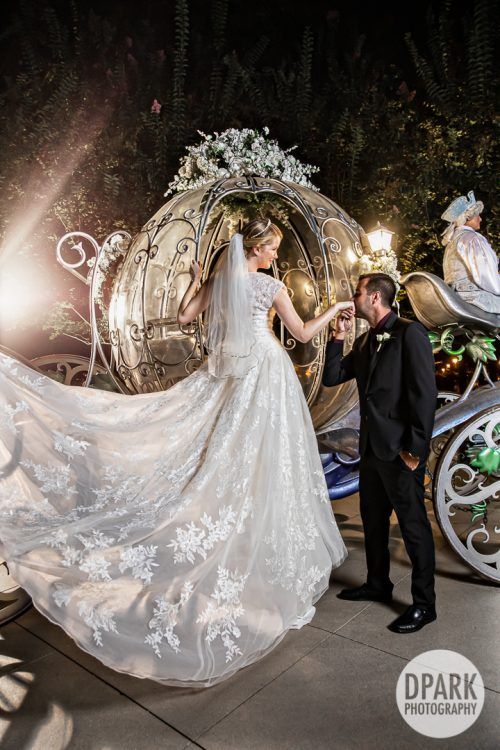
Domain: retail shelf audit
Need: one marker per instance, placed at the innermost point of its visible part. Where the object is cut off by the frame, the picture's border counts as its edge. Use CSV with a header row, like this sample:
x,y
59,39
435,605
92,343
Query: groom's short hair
x,y
383,283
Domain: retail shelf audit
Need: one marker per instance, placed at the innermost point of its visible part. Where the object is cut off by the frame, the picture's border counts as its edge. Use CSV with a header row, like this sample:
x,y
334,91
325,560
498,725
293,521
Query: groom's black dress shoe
x,y
365,594
413,619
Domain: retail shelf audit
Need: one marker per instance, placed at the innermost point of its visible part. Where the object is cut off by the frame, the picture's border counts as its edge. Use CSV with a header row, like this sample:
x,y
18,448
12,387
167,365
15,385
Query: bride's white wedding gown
x,y
178,535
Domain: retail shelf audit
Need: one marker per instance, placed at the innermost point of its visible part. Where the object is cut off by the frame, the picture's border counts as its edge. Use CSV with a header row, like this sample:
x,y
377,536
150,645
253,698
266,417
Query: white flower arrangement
x,y
236,153
383,263
386,263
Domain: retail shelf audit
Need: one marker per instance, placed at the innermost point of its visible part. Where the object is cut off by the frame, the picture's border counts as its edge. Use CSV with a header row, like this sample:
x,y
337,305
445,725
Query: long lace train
x,y
177,535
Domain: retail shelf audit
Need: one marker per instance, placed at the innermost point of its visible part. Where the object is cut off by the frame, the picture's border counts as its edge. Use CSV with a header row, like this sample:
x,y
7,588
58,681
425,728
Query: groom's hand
x,y
342,326
411,461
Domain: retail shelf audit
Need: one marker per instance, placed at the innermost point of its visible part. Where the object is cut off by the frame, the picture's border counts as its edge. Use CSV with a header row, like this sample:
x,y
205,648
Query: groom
x,y
394,369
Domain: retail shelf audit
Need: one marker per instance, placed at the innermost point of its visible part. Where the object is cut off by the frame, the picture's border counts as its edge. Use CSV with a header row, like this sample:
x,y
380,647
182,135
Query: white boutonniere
x,y
381,338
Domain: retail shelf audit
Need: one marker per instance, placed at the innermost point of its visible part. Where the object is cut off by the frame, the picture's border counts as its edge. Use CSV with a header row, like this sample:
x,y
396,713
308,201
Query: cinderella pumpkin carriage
x,y
141,348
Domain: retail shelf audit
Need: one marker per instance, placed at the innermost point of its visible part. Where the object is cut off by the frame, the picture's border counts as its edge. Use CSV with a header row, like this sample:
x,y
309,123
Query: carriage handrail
x,y
455,413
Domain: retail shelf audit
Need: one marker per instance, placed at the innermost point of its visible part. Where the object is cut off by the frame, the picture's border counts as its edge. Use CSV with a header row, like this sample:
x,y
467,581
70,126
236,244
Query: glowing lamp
x,y
380,239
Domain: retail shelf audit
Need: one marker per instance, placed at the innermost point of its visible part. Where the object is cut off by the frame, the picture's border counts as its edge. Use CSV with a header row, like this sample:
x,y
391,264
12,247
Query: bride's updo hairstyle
x,y
259,232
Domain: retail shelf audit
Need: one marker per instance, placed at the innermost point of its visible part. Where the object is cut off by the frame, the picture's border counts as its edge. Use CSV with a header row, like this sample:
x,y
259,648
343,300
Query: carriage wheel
x,y
13,599
466,492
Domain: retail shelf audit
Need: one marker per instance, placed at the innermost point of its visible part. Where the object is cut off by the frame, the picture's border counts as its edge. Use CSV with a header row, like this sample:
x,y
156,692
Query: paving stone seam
x,y
391,653
113,687
332,632
263,687
21,666
369,645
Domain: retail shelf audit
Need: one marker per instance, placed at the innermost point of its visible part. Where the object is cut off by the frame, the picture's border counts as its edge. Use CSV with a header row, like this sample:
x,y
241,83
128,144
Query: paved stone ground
x,y
330,685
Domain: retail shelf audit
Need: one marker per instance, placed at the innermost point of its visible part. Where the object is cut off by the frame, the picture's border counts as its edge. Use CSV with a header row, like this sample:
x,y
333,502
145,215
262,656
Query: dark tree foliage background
x,y
399,123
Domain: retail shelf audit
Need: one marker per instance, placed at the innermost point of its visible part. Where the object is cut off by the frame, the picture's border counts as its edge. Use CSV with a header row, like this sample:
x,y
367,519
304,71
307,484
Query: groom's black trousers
x,y
385,486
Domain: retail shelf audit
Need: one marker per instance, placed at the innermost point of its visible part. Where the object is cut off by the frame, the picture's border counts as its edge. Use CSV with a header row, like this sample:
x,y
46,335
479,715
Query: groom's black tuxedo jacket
x,y
396,384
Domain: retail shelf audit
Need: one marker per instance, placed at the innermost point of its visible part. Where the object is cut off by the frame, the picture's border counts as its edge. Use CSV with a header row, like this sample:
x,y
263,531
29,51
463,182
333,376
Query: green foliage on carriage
x,y
487,460
478,347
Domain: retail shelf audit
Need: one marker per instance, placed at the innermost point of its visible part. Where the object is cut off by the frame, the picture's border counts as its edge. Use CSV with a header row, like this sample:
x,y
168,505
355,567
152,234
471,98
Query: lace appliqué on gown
x,y
175,535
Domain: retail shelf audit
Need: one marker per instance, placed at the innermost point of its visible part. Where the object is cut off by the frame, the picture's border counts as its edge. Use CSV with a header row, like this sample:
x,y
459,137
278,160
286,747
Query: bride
x,y
176,536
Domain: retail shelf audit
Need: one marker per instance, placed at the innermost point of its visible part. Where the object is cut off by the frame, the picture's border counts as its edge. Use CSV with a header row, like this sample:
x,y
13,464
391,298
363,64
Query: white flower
x,y
7,414
62,594
235,153
164,620
386,263
54,479
68,445
382,338
193,540
98,618
188,543
223,609
96,566
141,560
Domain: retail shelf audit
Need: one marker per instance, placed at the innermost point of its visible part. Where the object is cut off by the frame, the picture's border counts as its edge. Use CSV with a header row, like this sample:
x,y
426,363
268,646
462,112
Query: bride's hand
x,y
346,308
195,270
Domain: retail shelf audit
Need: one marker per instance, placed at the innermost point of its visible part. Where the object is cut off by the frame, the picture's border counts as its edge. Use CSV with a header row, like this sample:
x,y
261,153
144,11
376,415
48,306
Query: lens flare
x,y
21,296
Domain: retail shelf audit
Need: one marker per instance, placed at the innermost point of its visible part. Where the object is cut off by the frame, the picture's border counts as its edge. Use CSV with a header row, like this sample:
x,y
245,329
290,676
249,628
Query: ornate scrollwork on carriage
x,y
464,461
467,492
150,351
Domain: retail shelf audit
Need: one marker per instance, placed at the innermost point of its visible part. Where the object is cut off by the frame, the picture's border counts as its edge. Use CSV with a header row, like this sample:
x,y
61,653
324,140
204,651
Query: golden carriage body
x,y
320,245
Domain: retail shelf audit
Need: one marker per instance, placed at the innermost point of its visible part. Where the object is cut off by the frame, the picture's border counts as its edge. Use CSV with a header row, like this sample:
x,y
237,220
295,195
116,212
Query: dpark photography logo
x,y
440,693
